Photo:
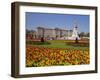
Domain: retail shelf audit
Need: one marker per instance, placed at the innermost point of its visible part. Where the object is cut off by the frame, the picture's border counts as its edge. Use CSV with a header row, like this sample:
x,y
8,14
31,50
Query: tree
x,y
87,34
82,34
76,40
42,38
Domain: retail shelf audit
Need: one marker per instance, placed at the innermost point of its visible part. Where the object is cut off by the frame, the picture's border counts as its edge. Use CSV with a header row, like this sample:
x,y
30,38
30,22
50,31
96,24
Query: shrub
x,y
38,43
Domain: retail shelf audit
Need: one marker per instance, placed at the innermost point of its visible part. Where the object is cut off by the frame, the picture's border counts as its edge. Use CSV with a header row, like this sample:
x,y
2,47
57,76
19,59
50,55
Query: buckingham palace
x,y
52,33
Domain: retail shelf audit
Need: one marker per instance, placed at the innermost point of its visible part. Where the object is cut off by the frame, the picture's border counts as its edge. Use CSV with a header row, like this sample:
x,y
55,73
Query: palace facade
x,y
56,33
49,33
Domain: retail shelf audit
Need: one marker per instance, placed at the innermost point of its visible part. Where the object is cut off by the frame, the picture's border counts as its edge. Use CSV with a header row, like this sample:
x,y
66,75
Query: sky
x,y
63,21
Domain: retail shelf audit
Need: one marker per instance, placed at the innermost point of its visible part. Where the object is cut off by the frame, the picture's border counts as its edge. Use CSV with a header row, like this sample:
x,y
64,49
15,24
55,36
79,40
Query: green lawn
x,y
59,44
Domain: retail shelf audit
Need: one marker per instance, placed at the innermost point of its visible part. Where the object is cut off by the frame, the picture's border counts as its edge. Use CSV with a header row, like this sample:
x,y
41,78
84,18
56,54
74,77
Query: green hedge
x,y
38,43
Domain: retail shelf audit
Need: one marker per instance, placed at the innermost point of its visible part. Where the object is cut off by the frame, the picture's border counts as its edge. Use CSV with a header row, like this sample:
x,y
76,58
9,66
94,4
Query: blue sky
x,y
63,21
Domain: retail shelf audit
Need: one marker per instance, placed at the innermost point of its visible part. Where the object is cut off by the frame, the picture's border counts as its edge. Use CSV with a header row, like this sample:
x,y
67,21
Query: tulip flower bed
x,y
43,56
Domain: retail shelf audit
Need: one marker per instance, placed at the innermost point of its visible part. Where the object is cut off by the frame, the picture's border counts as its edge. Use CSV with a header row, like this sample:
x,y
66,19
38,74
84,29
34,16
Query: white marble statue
x,y
75,33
